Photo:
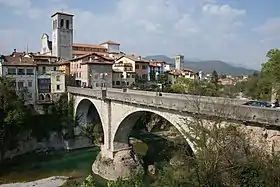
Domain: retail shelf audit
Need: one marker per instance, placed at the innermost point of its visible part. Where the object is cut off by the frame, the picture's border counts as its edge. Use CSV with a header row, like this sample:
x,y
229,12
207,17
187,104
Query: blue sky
x,y
236,31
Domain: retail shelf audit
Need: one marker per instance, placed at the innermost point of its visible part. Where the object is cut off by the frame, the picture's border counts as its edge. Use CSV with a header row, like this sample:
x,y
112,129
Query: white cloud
x,y
201,29
269,30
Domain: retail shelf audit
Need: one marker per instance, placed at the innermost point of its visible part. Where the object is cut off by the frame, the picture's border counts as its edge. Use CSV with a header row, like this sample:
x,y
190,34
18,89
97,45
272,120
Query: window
x,y
29,96
113,83
80,74
21,71
136,66
144,66
43,70
54,68
13,83
57,78
29,83
80,65
127,76
20,85
133,76
55,24
96,85
67,24
118,83
121,75
12,71
61,23
127,83
58,87
29,72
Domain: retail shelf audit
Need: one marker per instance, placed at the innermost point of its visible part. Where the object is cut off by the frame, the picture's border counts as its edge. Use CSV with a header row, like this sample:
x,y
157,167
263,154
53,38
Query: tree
x,y
270,77
12,115
162,79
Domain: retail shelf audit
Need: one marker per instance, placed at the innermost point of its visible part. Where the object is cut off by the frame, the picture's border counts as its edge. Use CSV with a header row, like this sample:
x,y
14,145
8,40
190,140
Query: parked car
x,y
258,103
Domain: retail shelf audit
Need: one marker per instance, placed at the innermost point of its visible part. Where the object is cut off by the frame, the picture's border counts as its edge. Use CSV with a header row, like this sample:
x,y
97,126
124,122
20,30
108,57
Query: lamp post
x,y
125,81
103,75
90,81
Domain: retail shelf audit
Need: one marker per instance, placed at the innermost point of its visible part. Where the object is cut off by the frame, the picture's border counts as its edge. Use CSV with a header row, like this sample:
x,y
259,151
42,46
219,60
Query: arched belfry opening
x,y
89,122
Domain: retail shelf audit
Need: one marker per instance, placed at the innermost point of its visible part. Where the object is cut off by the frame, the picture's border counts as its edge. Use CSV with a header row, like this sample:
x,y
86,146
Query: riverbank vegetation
x,y
18,120
225,156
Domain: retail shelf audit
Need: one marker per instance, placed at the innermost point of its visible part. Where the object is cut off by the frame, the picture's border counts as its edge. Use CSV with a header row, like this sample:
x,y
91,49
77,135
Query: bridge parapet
x,y
210,106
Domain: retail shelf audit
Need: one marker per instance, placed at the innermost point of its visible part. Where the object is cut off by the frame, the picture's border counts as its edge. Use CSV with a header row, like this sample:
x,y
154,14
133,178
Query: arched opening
x,y
152,137
48,97
89,122
41,97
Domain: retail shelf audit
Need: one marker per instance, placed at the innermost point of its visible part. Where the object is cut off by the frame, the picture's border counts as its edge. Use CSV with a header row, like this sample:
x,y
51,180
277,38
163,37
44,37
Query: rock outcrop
x,y
123,166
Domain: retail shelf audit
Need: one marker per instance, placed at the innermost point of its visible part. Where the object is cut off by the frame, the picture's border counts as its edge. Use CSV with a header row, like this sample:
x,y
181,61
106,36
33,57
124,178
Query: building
x,y
179,62
155,68
83,49
51,79
139,66
112,47
123,75
92,70
172,75
21,69
62,35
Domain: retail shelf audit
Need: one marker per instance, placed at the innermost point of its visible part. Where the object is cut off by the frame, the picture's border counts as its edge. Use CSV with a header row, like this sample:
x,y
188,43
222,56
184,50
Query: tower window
x,y
67,24
54,24
61,23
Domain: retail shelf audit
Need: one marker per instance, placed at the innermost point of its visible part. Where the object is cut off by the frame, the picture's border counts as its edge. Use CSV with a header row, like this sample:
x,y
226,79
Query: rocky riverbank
x,y
48,182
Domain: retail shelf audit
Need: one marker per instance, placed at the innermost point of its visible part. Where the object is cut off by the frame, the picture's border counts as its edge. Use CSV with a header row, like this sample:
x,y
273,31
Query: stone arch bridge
x,y
118,112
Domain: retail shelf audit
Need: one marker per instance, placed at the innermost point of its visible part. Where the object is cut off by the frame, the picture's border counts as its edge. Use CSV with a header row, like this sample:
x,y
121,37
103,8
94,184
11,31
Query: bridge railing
x,y
182,96
209,106
224,107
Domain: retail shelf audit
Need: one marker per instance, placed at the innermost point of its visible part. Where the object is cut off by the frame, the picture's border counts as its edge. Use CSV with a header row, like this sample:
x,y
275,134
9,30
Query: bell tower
x,y
62,35
179,62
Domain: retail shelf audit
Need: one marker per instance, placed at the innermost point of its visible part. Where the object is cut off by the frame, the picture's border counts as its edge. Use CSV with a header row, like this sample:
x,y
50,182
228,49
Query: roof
x,y
110,42
62,13
120,71
123,65
88,52
135,58
156,63
88,45
32,60
95,54
180,72
18,61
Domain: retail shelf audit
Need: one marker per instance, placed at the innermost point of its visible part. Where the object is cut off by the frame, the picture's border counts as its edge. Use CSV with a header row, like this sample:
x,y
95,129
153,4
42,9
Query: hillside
x,y
208,66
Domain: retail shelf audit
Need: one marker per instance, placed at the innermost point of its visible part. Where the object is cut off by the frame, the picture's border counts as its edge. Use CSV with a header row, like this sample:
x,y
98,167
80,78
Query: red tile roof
x,y
100,59
88,45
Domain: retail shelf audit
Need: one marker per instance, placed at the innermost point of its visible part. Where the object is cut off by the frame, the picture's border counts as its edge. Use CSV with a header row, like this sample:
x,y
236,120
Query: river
x,y
75,164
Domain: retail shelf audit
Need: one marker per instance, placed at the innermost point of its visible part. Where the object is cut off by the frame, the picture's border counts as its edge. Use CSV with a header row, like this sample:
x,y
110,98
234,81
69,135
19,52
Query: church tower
x,y
179,62
62,35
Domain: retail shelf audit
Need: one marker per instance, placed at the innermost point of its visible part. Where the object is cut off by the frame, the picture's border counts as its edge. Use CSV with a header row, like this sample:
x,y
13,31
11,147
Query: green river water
x,y
75,164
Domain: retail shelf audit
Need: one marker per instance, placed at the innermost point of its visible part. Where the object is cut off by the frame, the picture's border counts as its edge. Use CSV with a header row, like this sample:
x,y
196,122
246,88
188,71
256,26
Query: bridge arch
x,y
86,112
127,122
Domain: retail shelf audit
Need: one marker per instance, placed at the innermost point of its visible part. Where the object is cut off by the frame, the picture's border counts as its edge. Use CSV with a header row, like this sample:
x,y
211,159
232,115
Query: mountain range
x,y
207,66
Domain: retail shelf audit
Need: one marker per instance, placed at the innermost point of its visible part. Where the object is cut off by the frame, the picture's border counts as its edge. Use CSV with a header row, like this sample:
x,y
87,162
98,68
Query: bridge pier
x,y
112,165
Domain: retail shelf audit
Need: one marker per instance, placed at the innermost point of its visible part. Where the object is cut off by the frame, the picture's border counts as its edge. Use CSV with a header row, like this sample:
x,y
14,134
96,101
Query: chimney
x,y
15,50
139,58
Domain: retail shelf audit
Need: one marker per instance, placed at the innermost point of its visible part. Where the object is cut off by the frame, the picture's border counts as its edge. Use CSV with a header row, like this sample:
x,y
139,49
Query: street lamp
x,y
90,81
103,75
125,81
